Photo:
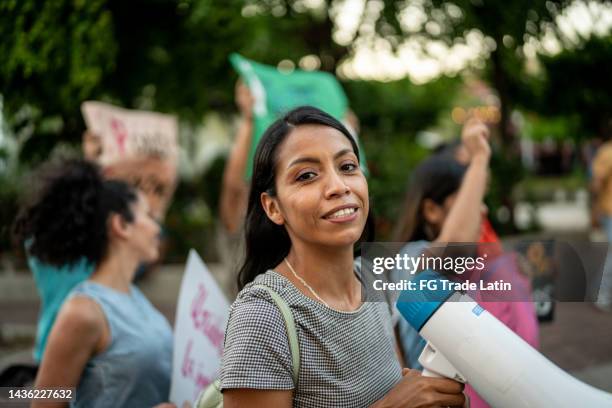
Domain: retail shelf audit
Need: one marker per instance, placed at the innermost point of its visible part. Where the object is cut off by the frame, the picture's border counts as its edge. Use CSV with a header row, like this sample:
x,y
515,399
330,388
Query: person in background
x,y
601,187
155,177
457,151
308,209
444,204
108,341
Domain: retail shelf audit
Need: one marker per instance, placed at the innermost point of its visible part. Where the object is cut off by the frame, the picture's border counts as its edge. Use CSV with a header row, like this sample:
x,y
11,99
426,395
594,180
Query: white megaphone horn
x,y
468,344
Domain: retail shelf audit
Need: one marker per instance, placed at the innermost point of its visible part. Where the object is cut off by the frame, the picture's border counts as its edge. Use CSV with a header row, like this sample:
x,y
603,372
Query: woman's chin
x,y
347,238
152,257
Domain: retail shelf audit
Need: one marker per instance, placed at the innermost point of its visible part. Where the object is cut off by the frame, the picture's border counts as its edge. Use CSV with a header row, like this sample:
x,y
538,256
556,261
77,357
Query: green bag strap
x,y
291,330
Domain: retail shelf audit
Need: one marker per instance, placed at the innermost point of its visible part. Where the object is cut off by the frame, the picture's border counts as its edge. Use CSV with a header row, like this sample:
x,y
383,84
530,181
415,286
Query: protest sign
x,y
126,133
201,316
275,93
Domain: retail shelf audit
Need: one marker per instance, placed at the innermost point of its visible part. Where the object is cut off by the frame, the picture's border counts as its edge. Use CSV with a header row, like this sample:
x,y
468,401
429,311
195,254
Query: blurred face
x,y
155,177
436,215
322,195
142,234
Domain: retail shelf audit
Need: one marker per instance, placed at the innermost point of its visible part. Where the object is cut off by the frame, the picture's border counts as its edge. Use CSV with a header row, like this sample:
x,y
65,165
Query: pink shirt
x,y
520,317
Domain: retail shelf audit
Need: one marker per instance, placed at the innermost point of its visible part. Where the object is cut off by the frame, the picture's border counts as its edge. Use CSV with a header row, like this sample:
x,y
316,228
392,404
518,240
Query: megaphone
x,y
468,344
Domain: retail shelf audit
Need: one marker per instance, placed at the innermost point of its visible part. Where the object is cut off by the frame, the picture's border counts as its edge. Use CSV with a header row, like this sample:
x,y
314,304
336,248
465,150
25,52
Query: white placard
x,y
126,133
201,317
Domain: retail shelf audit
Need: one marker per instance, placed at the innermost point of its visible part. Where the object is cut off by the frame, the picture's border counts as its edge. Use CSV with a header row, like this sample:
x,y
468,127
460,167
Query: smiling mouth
x,y
343,213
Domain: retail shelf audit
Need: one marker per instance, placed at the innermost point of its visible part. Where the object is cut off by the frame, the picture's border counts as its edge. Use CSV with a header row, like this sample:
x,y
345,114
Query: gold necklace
x,y
305,284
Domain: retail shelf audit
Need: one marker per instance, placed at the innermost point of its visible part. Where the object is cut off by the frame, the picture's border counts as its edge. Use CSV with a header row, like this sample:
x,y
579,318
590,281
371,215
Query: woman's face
x,y
322,195
143,231
436,215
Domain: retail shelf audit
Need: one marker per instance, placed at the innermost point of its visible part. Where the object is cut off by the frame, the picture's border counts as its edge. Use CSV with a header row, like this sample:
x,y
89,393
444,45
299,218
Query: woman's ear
x,y
118,226
270,206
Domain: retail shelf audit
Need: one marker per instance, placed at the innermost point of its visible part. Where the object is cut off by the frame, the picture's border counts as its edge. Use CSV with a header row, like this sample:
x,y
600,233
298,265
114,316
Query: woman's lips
x,y
343,215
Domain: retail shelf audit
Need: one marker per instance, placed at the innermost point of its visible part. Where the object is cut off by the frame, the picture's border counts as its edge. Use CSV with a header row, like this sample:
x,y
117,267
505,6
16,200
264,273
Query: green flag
x,y
276,93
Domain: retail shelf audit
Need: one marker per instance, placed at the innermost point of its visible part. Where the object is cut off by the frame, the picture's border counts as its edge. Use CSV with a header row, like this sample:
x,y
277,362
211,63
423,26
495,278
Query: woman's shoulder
x,y
258,290
82,316
254,306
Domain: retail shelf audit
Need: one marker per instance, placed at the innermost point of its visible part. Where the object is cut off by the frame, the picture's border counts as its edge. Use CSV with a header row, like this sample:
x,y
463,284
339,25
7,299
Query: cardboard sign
x,y
201,317
126,133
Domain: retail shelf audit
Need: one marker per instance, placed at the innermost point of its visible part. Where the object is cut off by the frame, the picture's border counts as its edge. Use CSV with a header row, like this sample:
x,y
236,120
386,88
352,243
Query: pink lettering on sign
x,y
120,134
193,370
204,321
187,368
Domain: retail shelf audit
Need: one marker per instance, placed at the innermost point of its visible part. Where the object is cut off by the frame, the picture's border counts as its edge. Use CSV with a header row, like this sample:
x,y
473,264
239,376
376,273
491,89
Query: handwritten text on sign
x,y
201,316
126,133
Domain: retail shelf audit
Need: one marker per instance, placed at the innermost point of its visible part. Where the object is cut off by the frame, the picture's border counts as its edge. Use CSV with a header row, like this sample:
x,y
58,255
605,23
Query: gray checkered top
x,y
347,359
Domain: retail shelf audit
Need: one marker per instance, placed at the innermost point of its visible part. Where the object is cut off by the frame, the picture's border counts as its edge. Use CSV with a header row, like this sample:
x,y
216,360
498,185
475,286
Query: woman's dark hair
x,y
436,178
267,244
65,218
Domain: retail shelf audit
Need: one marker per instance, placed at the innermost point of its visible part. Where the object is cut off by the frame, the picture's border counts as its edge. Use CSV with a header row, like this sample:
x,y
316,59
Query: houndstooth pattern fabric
x,y
347,359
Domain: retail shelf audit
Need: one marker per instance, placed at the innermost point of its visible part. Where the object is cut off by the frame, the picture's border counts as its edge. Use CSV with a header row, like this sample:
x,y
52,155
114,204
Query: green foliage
x,y
578,82
388,131
540,128
171,56
55,54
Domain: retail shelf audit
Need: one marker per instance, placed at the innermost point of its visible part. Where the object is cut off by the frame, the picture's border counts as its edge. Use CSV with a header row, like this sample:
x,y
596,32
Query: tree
x,y
505,25
578,82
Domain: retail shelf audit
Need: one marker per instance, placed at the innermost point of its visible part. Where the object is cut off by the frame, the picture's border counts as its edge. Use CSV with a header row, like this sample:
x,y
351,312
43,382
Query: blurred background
x,y
538,72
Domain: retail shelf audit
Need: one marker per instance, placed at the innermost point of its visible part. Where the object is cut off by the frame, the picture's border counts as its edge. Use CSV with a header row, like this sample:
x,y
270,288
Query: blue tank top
x,y
135,369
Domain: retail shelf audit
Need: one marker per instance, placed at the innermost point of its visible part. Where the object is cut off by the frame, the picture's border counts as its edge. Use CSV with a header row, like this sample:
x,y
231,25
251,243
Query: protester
x,y
444,204
155,177
108,341
601,187
307,210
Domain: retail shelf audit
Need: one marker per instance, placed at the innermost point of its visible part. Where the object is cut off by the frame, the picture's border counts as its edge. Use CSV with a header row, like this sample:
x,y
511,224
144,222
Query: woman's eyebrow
x,y
315,160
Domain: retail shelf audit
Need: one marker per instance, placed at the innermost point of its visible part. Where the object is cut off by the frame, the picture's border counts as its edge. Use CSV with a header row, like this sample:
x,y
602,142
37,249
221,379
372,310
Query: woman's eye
x,y
309,175
348,167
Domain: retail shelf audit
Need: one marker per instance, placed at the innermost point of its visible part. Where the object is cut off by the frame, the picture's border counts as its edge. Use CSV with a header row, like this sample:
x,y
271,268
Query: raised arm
x,y
234,191
463,221
77,335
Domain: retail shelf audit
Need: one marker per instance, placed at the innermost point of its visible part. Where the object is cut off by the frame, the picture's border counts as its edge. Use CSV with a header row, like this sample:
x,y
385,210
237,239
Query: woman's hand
x,y
475,137
416,391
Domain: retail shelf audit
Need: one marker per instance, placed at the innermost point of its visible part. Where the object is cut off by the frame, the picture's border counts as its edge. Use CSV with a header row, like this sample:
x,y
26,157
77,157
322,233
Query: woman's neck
x,y
328,271
116,271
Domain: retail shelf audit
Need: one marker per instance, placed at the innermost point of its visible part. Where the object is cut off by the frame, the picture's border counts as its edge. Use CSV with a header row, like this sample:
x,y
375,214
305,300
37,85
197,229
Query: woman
x,y
108,341
308,208
156,178
444,204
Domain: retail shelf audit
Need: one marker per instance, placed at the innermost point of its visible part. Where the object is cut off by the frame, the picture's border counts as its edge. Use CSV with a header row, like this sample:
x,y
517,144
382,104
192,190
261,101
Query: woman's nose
x,y
336,186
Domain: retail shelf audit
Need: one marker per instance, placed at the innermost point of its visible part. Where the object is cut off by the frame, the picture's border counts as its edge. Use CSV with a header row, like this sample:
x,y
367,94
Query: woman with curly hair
x,y
108,341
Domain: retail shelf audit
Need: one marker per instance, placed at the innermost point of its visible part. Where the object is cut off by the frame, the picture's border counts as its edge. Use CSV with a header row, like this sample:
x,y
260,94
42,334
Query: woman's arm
x,y
234,189
464,217
243,397
78,333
